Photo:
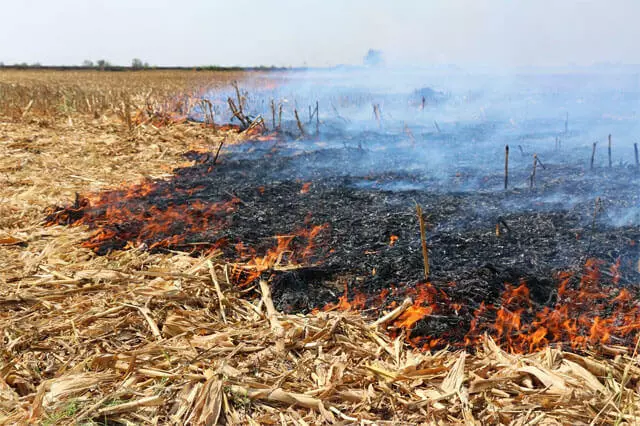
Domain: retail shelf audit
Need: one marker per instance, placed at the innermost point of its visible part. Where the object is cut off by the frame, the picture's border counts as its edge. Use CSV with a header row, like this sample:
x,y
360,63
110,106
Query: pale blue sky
x,y
321,33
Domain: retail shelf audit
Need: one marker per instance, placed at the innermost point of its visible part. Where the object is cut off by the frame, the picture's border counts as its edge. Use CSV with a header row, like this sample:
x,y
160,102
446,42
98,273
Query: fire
x,y
305,187
412,315
358,302
590,309
587,314
424,304
289,252
284,254
615,271
162,215
126,218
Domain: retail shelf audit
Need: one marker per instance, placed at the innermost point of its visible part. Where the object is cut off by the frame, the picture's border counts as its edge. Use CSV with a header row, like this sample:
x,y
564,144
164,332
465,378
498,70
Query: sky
x,y
495,33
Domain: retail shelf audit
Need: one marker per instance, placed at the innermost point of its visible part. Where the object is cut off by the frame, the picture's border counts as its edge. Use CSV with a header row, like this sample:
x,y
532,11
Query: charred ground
x,y
367,238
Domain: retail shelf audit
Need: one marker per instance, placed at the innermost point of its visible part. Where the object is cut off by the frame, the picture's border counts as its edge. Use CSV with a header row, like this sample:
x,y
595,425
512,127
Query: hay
x,y
167,339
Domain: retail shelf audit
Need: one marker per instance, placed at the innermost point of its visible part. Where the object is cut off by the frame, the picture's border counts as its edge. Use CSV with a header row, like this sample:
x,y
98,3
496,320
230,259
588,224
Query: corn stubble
x,y
169,338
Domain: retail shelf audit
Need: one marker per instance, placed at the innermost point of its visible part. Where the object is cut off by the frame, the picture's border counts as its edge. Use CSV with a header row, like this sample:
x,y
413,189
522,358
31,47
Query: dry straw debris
x,y
140,338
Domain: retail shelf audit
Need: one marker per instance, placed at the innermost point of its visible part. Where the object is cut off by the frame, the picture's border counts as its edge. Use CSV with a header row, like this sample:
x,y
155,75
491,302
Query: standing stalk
x,y
317,118
533,173
376,114
506,166
235,86
423,240
299,122
273,114
215,158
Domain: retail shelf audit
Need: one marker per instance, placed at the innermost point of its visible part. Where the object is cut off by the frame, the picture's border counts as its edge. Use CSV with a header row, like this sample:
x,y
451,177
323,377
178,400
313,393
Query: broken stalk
x,y
295,111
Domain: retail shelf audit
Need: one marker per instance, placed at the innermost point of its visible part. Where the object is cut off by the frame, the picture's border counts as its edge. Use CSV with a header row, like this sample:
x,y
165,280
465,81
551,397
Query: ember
x,y
305,188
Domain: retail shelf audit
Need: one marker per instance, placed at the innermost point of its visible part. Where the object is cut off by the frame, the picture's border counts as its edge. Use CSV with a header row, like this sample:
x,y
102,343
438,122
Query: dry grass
x,y
139,338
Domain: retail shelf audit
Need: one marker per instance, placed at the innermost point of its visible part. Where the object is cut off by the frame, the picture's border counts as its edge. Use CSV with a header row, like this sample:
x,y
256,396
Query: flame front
x,y
124,218
590,310
588,315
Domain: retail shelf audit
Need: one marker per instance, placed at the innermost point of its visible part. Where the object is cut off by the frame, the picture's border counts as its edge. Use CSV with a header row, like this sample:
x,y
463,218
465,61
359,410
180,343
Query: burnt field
x,y
158,265
331,222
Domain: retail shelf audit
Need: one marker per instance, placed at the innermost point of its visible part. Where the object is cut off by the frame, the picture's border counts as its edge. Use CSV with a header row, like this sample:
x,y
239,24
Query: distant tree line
x,y
139,64
103,64
21,65
100,64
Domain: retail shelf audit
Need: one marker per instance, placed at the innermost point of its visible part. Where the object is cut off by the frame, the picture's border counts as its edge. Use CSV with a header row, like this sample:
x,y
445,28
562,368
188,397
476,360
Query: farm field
x,y
120,318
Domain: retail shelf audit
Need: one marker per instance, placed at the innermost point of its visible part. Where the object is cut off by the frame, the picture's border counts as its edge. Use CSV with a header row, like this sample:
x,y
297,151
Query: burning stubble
x,y
314,216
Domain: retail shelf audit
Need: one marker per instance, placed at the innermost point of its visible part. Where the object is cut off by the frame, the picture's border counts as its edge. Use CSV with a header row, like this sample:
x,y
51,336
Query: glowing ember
x,y
305,188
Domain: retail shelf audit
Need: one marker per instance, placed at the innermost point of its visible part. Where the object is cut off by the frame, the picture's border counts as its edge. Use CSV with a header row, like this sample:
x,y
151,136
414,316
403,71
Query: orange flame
x,y
285,254
121,220
305,188
358,302
412,315
587,314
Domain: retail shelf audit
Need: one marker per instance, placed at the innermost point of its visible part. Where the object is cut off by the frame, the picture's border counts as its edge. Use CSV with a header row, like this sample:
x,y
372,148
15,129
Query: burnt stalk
x,y
533,173
295,111
609,150
506,166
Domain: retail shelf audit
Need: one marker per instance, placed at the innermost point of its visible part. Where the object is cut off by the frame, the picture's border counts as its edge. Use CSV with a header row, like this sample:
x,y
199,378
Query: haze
x,y
495,33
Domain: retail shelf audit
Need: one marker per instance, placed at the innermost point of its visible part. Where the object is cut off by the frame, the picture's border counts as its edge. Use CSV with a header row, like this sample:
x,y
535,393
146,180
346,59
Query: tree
x,y
87,63
103,64
373,58
137,64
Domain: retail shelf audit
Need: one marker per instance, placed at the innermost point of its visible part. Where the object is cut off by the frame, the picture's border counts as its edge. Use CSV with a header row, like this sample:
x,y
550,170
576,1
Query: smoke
x,y
445,129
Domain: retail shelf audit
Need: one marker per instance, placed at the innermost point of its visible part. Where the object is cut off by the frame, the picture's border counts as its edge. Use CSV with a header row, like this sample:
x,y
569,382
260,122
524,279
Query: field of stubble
x,y
140,338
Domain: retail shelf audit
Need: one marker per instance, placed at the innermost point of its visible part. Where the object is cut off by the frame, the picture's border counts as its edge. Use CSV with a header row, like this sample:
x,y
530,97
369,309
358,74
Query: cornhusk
x,y
166,339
